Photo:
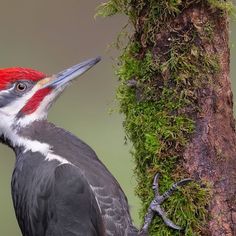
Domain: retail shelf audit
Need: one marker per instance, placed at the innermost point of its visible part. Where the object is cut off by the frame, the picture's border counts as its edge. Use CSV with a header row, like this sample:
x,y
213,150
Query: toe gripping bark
x,y
155,205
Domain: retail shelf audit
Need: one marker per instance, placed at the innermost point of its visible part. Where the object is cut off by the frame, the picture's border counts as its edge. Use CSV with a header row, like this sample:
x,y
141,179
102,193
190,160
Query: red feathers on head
x,y
10,75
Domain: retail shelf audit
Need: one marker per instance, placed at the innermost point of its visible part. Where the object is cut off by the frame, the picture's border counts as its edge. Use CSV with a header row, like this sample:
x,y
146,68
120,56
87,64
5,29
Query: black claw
x,y
170,224
174,187
167,221
155,185
155,181
184,181
155,205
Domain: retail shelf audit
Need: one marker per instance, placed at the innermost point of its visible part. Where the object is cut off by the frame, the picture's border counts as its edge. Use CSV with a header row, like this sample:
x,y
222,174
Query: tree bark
x,y
186,80
211,153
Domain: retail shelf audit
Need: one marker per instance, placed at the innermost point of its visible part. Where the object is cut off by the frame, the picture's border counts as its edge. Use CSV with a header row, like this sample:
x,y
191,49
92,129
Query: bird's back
x,y
110,198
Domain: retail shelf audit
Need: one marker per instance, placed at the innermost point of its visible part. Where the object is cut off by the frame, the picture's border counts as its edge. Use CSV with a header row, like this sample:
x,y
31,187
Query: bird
x,y
59,185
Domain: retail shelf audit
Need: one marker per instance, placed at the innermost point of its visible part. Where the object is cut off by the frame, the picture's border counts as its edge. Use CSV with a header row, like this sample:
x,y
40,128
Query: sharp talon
x,y
155,181
155,185
155,205
156,178
172,225
166,220
184,181
174,187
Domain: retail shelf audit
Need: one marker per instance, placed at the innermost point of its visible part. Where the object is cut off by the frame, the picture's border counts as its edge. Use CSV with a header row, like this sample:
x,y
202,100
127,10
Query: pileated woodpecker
x,y
59,186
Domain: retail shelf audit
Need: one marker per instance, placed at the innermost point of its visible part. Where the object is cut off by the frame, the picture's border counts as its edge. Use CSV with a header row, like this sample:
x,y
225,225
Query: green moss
x,y
159,130
158,96
227,6
158,9
109,8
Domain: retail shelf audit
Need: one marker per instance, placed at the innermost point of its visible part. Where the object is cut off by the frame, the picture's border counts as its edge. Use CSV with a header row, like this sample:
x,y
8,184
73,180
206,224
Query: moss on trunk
x,y
164,70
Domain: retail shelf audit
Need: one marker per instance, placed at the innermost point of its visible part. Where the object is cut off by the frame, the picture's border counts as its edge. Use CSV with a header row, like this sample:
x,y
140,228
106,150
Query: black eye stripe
x,y
12,94
28,86
6,99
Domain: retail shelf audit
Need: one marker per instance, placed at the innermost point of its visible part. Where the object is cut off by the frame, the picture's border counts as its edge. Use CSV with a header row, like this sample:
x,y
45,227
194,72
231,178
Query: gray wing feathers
x,y
109,195
73,195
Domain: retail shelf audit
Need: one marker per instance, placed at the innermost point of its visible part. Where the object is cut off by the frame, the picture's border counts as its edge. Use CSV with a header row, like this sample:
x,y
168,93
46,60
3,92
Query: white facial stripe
x,y
14,107
6,97
16,140
29,145
9,123
6,91
41,112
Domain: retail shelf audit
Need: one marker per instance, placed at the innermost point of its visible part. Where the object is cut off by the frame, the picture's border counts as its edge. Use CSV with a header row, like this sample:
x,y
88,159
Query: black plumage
x,y
78,198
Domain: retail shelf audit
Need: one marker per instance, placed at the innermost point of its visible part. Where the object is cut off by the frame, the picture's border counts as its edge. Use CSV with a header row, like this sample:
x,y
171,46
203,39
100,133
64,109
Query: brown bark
x,y
211,154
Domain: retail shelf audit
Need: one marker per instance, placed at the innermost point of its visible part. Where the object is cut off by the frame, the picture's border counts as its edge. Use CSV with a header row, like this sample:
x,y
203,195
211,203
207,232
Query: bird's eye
x,y
20,87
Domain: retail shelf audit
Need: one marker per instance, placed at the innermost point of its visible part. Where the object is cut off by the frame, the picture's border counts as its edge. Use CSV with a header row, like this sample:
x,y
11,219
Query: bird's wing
x,y
74,207
111,199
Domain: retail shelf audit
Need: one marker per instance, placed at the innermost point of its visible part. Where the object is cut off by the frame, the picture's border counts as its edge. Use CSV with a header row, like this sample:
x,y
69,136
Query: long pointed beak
x,y
69,74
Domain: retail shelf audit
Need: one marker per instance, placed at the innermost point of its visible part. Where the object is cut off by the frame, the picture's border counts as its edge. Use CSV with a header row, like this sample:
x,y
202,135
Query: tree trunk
x,y
177,100
211,153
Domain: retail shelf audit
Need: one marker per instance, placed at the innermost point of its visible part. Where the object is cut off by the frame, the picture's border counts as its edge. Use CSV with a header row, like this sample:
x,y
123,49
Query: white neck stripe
x,y
35,146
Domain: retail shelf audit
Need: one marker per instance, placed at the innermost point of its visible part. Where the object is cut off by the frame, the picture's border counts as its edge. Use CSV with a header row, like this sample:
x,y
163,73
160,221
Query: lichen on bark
x,y
166,66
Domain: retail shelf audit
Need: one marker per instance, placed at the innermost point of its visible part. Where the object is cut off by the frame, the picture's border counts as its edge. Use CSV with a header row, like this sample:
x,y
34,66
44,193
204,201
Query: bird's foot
x,y
155,205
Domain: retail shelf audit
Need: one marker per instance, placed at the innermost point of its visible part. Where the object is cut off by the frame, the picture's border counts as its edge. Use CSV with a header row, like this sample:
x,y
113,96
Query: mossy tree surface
x,y
176,96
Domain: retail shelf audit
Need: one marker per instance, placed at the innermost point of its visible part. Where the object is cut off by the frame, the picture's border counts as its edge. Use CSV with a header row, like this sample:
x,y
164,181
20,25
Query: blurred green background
x,y
50,35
